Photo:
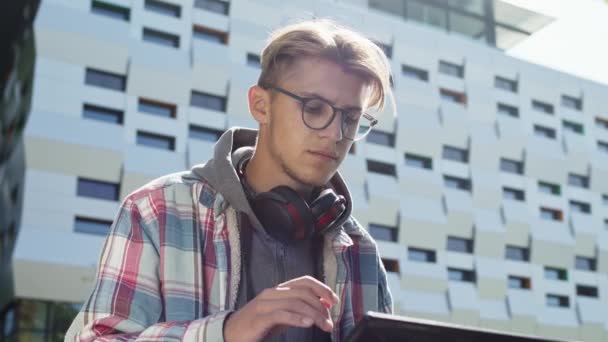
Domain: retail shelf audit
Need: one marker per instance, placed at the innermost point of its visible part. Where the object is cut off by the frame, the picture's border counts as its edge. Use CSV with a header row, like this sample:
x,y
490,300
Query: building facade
x,y
487,193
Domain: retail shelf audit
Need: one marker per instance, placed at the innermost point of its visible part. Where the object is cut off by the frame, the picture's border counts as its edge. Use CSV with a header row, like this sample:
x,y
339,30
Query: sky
x,y
575,43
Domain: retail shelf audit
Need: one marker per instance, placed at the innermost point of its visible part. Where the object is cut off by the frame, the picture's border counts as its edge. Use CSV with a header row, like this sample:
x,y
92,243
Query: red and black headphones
x,y
286,216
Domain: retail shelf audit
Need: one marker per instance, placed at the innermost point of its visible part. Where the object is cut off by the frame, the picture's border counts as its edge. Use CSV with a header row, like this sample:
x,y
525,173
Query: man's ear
x,y
259,104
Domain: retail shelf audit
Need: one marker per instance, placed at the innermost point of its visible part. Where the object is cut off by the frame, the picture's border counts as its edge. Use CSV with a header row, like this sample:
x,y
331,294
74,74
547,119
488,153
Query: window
x,y
217,6
580,207
383,232
455,154
155,140
381,138
163,8
549,188
551,214
572,102
601,123
157,108
418,161
391,265
453,96
578,180
542,107
380,167
387,49
544,132
104,79
457,183
507,110
110,10
586,291
253,60
210,35
602,146
457,274
97,189
451,69
554,273
421,255
558,301
160,38
605,199
204,133
585,264
208,101
511,166
517,253
573,127
456,244
606,224
505,84
92,226
513,194
516,282
102,114
415,73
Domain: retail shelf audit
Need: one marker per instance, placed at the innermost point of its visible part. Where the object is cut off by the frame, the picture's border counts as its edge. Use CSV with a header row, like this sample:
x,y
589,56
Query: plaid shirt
x,y
170,269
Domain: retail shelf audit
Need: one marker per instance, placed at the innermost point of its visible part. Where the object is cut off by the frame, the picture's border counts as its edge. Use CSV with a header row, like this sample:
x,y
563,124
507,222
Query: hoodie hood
x,y
220,171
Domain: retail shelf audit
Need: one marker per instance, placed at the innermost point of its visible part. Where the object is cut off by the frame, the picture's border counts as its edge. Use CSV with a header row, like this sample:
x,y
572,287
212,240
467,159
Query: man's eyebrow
x,y
315,95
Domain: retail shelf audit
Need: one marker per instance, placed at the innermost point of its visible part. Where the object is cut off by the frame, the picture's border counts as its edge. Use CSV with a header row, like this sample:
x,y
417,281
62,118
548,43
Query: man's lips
x,y
326,154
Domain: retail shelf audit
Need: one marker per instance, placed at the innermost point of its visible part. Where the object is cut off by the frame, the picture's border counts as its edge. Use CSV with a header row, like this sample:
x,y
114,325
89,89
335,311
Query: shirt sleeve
x,y
385,298
126,301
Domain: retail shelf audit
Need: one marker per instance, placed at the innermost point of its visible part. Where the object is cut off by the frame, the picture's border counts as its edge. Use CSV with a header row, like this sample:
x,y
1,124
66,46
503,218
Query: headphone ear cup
x,y
327,209
302,222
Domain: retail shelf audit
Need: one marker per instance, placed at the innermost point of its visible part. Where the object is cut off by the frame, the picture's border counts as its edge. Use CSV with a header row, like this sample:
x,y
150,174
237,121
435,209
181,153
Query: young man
x,y
258,243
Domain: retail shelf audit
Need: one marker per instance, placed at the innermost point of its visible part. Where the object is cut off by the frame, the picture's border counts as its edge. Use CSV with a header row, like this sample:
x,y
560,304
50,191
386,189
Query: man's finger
x,y
320,289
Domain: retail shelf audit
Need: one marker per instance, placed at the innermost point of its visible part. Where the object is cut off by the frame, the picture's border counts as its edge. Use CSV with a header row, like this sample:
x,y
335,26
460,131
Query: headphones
x,y
287,217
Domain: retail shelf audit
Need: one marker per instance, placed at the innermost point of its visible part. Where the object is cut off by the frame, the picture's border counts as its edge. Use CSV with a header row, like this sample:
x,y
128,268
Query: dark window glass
x,y
601,123
382,168
585,264
415,73
155,140
586,291
573,127
418,161
549,188
558,301
92,226
456,244
572,102
157,108
97,189
542,107
507,110
163,8
421,255
517,253
102,114
160,38
382,232
253,60
580,207
455,154
505,84
544,132
457,183
105,79
381,138
453,96
578,180
427,13
216,6
605,199
511,166
210,35
391,265
110,10
204,133
523,283
457,274
208,101
602,146
451,69
387,49
513,194
551,214
554,273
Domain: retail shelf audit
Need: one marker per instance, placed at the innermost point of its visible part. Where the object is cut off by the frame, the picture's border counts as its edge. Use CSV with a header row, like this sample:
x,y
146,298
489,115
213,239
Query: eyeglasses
x,y
318,114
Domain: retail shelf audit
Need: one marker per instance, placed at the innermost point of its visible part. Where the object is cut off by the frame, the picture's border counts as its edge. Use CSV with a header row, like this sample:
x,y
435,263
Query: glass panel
x,y
110,10
97,189
203,133
468,26
455,244
421,255
160,38
104,79
156,108
381,138
92,226
394,7
155,140
32,314
381,232
102,114
62,316
220,7
163,8
208,101
426,13
418,161
473,6
380,167
415,73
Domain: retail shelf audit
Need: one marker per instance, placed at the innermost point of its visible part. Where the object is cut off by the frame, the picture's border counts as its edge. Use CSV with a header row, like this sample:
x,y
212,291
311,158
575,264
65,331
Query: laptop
x,y
384,327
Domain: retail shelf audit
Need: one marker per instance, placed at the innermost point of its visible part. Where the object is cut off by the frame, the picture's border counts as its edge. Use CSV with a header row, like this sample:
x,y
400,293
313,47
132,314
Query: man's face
x,y
311,157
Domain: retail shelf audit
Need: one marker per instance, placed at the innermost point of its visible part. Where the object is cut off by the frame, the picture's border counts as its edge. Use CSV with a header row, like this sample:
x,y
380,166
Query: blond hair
x,y
325,39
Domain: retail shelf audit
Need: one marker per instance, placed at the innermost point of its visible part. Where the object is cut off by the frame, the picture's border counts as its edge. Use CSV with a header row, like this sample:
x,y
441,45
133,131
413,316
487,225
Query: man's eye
x,y
352,115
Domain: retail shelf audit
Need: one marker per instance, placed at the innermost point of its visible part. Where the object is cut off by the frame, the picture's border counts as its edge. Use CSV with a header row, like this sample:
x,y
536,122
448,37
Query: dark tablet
x,y
384,327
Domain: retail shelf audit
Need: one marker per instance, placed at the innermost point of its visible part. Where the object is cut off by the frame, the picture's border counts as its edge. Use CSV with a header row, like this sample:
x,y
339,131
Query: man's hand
x,y
300,302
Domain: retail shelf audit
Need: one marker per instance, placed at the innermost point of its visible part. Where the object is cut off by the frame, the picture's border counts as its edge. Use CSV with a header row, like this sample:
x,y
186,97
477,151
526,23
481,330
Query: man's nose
x,y
334,130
